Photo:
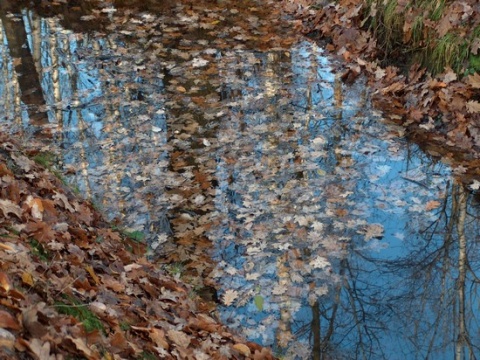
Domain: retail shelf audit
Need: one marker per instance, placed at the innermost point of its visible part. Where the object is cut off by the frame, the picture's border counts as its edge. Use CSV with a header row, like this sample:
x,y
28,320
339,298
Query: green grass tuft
x,y
74,307
137,236
450,50
45,159
39,251
147,355
386,20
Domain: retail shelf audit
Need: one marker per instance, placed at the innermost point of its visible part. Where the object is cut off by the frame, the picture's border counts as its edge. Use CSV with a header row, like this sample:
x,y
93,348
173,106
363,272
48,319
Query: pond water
x,y
231,145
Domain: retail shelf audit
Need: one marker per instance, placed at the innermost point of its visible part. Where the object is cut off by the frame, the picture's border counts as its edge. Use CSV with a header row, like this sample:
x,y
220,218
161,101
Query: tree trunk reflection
x,y
27,75
421,305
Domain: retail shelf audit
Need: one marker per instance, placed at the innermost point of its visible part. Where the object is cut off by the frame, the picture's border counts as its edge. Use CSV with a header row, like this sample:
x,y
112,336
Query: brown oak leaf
x,y
474,80
9,207
473,106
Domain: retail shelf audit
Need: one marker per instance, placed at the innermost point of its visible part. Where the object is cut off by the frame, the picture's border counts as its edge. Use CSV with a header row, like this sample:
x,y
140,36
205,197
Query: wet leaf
x,y
319,262
475,185
258,300
373,231
432,204
229,297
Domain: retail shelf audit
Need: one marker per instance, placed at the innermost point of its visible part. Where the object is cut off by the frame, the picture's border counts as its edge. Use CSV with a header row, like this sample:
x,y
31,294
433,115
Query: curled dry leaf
x,y
62,200
41,349
474,80
243,349
5,283
36,207
158,336
8,321
179,338
7,339
473,106
9,207
31,323
82,347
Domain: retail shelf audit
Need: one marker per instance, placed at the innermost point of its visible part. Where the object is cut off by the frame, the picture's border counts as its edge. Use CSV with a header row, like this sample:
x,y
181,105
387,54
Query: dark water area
x,y
231,145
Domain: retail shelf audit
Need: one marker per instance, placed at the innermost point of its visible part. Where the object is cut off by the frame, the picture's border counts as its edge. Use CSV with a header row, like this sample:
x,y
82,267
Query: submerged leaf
x,y
259,301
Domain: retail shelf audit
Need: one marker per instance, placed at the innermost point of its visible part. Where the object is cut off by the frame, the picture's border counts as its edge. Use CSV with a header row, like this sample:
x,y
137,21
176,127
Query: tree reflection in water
x,y
421,305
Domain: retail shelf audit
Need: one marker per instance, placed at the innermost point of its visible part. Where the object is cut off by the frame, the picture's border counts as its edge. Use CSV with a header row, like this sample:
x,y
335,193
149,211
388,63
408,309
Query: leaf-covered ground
x,y
71,286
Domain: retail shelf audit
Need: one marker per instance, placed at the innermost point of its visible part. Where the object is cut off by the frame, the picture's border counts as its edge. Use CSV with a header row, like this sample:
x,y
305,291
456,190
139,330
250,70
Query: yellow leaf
x,y
5,282
243,349
6,247
27,279
94,276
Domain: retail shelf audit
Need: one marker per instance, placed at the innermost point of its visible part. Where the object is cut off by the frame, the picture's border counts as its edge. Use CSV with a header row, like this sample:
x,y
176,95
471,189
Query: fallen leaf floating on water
x,y
229,297
319,262
372,231
432,204
475,185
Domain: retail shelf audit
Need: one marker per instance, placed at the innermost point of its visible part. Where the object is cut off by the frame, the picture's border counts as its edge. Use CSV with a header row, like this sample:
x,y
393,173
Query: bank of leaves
x,y
71,286
421,62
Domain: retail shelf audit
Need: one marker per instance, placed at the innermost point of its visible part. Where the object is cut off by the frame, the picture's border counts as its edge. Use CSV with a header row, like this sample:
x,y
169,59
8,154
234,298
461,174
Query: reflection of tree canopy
x,y
442,280
426,300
